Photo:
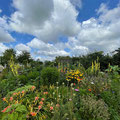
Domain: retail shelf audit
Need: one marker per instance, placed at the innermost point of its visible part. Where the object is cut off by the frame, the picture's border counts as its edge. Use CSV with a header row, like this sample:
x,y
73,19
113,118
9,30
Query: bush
x,y
92,109
49,76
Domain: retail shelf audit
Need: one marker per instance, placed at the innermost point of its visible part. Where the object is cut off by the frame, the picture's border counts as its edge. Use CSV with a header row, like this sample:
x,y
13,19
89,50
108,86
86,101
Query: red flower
x,y
74,84
36,98
89,90
11,98
51,108
23,92
33,113
5,108
33,87
41,102
39,107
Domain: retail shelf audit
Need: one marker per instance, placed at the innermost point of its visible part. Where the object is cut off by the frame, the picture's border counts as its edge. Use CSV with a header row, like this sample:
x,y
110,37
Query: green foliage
x,y
15,112
49,76
92,109
7,56
24,58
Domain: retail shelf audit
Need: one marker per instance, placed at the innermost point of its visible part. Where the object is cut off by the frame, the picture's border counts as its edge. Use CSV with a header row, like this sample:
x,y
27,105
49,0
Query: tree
x,y
7,56
116,57
24,58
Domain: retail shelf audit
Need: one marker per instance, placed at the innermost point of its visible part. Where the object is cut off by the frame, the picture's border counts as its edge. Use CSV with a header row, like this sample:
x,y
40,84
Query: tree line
x,y
25,58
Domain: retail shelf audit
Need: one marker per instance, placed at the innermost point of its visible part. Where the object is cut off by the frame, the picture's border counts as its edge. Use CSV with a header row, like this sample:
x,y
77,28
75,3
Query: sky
x,y
50,28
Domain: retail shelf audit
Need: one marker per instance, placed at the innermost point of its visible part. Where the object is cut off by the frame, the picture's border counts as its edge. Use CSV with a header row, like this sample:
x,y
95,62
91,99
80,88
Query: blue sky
x,y
59,27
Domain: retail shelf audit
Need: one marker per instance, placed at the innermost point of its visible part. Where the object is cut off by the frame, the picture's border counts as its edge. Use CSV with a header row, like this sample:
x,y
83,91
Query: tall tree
x,y
7,56
24,58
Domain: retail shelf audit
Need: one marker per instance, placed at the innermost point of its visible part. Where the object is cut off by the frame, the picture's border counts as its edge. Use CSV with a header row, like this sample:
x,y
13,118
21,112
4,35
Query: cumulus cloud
x,y
5,37
30,15
76,3
47,20
46,50
2,48
102,33
21,47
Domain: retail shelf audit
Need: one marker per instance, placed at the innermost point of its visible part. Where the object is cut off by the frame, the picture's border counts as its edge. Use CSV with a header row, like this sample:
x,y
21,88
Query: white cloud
x,y
5,37
109,16
2,48
100,34
49,20
30,15
21,47
77,3
46,50
45,20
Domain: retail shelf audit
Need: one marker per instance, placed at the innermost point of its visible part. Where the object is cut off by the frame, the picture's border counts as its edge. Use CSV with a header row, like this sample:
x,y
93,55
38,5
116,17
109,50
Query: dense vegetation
x,y
68,88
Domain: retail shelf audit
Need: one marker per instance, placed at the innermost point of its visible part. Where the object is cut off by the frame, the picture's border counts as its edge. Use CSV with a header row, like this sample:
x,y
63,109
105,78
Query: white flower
x,y
92,82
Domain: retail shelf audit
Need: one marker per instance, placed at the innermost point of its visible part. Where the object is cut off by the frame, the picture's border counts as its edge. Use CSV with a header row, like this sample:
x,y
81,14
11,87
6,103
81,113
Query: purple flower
x,y
76,90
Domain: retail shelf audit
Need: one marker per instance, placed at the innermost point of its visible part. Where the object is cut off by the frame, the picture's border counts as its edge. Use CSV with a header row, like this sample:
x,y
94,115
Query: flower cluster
x,y
74,75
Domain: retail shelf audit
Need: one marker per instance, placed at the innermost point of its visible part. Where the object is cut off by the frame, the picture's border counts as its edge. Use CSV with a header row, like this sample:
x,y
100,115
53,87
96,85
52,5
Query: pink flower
x,y
11,98
36,98
14,93
42,99
76,90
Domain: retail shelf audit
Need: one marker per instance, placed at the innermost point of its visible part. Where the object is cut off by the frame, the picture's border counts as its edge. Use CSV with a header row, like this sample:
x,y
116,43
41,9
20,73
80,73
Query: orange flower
x,y
45,93
33,87
23,92
41,102
42,99
33,113
39,107
4,99
89,90
51,108
11,98
36,98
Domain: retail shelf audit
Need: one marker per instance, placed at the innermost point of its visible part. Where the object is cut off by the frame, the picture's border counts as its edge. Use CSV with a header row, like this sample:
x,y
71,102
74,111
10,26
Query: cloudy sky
x,y
50,28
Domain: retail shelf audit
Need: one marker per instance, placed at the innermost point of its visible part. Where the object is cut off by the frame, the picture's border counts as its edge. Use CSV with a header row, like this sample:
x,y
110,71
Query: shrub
x,y
23,79
92,109
49,75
